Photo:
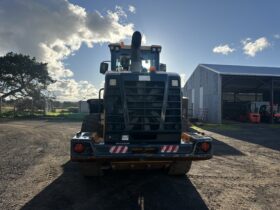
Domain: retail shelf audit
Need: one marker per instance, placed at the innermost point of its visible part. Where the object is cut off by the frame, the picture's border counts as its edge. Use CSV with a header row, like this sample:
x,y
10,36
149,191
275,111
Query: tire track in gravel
x,y
36,174
33,159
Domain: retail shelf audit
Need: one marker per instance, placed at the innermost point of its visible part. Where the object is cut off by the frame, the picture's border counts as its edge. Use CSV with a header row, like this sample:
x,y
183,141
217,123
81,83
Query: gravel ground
x,y
35,173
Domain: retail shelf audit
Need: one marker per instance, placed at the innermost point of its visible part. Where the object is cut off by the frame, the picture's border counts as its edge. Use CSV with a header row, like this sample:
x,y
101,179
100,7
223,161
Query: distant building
x,y
212,89
83,107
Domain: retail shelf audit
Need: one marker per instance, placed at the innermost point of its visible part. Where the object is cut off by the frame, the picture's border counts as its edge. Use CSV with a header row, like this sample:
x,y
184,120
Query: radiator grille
x,y
144,104
173,109
138,106
114,110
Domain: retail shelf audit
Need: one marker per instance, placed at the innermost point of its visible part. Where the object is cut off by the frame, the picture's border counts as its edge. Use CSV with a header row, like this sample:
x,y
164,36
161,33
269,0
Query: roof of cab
x,y
128,47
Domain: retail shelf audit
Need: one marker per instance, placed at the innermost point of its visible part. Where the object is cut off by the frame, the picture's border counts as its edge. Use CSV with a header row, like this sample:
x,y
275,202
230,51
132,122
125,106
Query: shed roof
x,y
243,70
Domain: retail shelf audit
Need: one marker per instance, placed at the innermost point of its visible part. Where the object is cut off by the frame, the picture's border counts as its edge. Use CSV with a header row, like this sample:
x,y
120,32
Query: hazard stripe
x,y
125,150
112,149
118,149
175,148
122,149
170,148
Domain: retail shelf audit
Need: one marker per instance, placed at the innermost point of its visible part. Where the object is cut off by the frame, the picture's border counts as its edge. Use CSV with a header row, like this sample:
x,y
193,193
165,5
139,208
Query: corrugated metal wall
x,y
209,83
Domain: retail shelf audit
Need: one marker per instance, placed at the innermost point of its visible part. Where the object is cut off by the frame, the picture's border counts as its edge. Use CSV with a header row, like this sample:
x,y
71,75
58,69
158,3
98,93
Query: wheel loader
x,y
139,119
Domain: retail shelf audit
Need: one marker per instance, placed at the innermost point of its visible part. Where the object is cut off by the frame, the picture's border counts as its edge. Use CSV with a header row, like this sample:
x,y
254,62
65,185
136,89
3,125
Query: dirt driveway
x,y
35,173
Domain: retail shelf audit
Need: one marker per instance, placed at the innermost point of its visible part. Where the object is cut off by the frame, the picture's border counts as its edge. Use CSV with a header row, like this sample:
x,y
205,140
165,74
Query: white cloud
x,y
53,30
131,9
252,47
71,90
223,49
120,12
276,36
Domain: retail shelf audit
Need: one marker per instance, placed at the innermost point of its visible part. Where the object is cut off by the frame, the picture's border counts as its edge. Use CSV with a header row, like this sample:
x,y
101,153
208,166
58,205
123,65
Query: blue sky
x,y
72,36
188,31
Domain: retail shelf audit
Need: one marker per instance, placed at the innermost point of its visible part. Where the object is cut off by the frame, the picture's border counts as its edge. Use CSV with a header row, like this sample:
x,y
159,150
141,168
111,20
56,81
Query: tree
x,y
21,75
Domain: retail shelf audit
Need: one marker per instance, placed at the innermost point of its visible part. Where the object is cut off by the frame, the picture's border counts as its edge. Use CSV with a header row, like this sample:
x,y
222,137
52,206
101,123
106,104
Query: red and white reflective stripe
x,y
125,149
112,149
169,148
163,148
118,149
176,148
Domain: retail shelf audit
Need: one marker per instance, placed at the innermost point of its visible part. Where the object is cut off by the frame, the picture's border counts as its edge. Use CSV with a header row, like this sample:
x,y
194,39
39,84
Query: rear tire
x,y
180,168
91,169
91,123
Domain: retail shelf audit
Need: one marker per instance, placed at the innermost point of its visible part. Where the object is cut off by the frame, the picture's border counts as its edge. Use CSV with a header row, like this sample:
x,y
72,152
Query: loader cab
x,y
140,117
121,58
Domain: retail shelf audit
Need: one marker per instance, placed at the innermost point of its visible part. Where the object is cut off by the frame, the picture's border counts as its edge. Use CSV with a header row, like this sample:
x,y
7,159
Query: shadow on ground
x,y
117,190
262,134
222,149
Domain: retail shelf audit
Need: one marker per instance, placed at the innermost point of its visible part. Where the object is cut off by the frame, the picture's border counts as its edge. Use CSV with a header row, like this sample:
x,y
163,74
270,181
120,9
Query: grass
x,y
75,116
58,110
231,126
52,114
55,114
225,127
7,108
62,115
66,116
196,128
274,126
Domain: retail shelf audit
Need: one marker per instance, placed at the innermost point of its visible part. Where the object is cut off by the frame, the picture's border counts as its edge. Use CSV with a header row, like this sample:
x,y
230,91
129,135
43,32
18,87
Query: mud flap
x,y
180,167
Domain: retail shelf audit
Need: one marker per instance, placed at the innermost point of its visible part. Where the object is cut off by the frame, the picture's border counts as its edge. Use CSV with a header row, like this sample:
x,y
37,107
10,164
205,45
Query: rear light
x,y
205,146
152,69
79,148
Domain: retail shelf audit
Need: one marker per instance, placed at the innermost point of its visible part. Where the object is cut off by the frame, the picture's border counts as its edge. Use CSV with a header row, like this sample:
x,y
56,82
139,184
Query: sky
x,y
72,36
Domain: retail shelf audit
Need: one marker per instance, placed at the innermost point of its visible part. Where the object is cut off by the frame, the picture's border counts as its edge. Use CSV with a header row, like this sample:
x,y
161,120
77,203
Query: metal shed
x,y
212,88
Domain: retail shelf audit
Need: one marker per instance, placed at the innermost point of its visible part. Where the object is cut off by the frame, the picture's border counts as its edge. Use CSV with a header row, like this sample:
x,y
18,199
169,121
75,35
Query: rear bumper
x,y
138,158
140,152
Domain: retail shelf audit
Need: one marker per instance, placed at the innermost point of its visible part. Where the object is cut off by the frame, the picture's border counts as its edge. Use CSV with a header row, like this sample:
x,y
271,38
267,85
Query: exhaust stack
x,y
136,63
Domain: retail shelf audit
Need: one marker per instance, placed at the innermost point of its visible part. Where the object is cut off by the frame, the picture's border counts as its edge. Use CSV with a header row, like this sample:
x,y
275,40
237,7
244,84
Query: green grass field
x,y
61,114
231,126
221,126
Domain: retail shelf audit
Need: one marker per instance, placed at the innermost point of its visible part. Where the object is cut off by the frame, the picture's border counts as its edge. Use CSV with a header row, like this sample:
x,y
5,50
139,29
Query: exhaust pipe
x,y
136,62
